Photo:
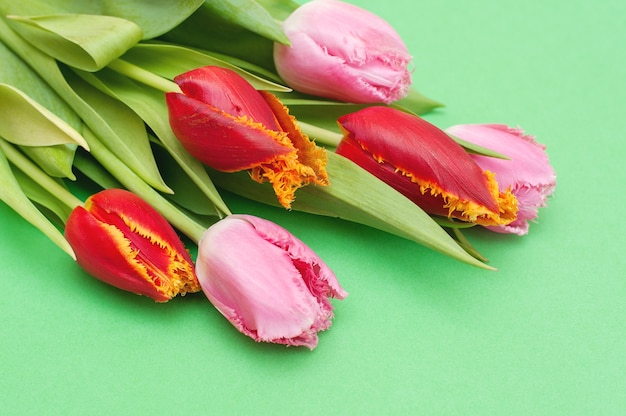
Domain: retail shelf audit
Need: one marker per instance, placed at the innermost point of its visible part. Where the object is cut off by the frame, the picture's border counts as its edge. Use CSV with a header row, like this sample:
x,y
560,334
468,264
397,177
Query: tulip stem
x,y
321,135
133,183
38,175
144,76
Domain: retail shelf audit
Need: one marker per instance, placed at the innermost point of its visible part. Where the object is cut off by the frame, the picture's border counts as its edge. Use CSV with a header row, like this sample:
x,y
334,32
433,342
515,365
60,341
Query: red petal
x,y
121,240
230,126
228,91
222,142
424,164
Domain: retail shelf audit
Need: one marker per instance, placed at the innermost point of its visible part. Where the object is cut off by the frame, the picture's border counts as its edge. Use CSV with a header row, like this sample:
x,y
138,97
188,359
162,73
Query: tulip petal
x,y
266,282
344,52
121,240
221,141
229,92
230,126
309,165
527,172
425,164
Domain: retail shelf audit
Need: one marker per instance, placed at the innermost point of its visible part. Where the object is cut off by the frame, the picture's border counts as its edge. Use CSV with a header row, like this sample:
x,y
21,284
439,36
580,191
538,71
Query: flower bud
x,y
343,52
425,165
120,239
266,282
230,126
527,172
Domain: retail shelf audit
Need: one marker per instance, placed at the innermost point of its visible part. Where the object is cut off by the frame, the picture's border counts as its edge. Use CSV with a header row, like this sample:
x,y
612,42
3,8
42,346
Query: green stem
x,y
38,175
324,136
144,76
133,183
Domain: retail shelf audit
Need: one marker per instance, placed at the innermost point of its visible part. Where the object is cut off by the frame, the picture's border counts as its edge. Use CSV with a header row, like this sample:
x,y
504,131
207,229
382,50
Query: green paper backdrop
x,y
419,333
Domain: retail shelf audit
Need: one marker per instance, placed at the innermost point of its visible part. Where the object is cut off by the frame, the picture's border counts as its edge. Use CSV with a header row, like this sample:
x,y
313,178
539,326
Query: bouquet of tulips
x,y
306,107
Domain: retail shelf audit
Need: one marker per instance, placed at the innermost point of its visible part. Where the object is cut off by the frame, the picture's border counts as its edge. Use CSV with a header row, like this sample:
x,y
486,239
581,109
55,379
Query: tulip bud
x,y
228,125
425,165
343,52
266,282
528,172
120,239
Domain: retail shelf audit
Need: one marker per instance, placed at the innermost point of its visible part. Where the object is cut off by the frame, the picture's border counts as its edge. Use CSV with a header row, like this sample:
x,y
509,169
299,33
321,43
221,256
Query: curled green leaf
x,y
87,42
56,161
25,122
17,73
154,17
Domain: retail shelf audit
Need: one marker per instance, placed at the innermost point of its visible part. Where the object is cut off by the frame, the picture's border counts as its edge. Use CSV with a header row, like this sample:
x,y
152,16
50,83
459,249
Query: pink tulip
x,y
266,282
528,172
343,52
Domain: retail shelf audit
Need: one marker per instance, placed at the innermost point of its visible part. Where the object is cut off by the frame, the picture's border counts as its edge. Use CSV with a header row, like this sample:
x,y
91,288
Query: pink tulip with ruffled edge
x,y
266,282
528,173
343,52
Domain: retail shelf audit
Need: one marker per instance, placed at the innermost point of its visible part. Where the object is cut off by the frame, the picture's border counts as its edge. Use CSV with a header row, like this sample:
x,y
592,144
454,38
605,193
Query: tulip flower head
x,y
343,52
425,165
528,173
266,282
230,126
120,239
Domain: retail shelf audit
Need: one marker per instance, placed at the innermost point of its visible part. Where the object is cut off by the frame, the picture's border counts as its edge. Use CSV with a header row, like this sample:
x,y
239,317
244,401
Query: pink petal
x,y
343,52
269,284
528,172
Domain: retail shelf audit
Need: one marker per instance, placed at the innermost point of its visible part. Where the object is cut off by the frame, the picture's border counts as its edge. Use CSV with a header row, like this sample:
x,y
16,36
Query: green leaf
x,y
187,193
131,142
25,122
11,193
207,31
56,161
478,150
317,111
357,196
89,167
48,69
323,113
467,246
150,105
44,136
15,72
154,17
184,223
248,14
38,194
84,41
169,60
416,103
279,9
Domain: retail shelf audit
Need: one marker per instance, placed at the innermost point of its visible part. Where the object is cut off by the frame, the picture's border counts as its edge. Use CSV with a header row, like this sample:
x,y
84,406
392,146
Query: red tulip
x,y
120,239
230,126
424,164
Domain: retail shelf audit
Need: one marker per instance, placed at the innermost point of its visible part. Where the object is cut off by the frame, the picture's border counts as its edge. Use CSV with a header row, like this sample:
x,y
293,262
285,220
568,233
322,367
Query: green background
x,y
419,333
